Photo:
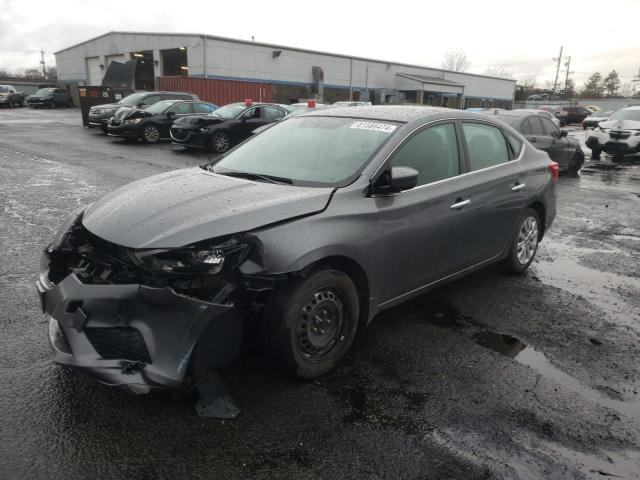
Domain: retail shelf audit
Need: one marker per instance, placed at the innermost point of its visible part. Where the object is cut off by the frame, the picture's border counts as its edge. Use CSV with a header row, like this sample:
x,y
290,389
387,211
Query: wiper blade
x,y
258,176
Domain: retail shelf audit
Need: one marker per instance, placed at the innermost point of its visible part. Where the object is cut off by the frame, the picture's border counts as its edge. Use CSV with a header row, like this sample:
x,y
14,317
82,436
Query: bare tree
x,y
52,73
4,72
627,89
455,60
499,71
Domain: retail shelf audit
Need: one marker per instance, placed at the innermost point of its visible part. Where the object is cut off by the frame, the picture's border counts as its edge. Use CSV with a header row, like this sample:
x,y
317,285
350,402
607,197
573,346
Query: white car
x,y
593,108
352,103
619,135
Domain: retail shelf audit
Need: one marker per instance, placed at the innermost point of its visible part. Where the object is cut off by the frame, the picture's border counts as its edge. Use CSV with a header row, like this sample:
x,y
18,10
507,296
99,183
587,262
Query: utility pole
x,y
566,79
555,83
44,70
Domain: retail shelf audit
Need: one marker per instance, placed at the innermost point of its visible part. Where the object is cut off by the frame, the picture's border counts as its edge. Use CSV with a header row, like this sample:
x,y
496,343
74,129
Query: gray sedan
x,y
315,225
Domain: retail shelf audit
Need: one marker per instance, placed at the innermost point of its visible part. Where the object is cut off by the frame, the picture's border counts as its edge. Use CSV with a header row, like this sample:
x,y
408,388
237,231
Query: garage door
x,y
94,73
110,58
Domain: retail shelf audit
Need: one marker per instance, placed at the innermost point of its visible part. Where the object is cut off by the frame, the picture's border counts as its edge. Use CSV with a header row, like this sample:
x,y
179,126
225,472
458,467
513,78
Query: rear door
x,y
533,131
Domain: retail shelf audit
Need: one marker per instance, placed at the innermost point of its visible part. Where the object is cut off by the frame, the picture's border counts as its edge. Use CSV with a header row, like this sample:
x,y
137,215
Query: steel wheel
x,y
151,134
320,325
220,142
527,240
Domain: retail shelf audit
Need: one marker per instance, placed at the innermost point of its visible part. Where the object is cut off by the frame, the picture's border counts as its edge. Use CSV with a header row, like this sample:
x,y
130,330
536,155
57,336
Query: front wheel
x,y
309,323
151,134
577,161
220,141
524,244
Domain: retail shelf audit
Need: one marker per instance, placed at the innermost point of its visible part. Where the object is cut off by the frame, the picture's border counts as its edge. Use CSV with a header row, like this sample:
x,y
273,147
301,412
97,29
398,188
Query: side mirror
x,y
171,114
396,180
563,133
142,105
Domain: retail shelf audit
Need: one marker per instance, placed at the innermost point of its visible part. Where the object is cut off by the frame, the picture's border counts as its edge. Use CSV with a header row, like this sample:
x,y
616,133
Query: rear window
x,y
515,143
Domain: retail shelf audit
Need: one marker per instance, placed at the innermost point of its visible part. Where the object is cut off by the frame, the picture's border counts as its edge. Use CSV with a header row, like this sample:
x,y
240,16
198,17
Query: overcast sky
x,y
522,37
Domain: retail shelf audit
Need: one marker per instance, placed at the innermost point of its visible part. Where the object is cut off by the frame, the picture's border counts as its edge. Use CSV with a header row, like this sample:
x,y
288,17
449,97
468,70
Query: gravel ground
x,y
491,376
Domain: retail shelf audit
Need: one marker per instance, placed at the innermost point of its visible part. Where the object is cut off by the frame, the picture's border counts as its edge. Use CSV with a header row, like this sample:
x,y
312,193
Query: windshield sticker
x,y
377,127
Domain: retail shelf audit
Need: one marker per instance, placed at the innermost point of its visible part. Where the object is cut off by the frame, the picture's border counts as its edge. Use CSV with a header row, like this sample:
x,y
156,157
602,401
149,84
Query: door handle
x,y
460,204
518,187
534,139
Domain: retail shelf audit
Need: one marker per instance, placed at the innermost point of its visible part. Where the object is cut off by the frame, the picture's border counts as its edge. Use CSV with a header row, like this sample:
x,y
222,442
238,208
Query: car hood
x,y
40,96
181,207
621,124
127,112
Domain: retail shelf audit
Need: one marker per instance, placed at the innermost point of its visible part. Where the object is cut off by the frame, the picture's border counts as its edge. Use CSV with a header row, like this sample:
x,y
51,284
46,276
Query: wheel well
x,y
540,210
355,272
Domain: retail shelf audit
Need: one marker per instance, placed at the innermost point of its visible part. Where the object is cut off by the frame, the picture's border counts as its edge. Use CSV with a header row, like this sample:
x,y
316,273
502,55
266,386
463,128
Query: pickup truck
x,y
10,97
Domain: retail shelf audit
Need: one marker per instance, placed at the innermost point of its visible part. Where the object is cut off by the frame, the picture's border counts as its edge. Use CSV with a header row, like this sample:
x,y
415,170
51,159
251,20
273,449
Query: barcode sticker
x,y
375,126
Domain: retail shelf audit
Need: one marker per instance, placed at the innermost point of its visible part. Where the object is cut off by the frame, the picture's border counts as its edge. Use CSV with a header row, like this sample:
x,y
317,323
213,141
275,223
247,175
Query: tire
x,y
220,141
308,324
595,154
151,134
524,243
577,161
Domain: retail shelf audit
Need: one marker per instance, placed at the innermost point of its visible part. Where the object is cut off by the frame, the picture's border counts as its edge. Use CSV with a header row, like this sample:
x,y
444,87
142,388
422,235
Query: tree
x,y
612,83
33,72
593,87
4,72
52,73
498,71
626,89
570,89
455,60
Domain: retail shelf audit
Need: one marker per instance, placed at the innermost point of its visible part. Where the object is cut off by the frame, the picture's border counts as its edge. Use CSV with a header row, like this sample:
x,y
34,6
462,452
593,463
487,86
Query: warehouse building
x,y
237,69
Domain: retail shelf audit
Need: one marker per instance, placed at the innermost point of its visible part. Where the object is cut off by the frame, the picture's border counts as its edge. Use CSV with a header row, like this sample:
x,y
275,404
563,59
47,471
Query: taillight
x,y
554,168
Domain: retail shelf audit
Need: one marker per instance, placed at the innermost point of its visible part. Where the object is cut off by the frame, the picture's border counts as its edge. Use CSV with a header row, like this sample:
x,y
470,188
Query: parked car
x,y
226,127
546,136
538,96
475,109
316,225
50,98
100,115
153,123
10,97
351,103
544,113
593,108
557,112
595,118
618,136
576,114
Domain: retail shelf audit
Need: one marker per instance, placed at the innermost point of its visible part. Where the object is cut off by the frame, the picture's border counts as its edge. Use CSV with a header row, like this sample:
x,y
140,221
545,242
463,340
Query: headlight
x,y
203,130
133,120
195,259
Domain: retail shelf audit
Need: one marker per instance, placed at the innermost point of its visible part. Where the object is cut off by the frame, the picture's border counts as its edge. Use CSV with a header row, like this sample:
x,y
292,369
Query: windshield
x,y
160,107
315,151
4,89
43,92
228,111
626,115
132,100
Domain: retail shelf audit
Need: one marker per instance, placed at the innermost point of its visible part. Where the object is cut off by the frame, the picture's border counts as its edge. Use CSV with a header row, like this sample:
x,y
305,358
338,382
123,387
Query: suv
x,y
10,97
99,115
619,135
50,97
576,114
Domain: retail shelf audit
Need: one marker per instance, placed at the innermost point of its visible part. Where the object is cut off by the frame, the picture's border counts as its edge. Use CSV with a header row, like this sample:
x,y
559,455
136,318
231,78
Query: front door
x,y
175,112
560,150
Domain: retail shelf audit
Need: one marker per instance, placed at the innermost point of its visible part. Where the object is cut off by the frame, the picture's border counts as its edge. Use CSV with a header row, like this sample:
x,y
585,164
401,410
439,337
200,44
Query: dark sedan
x,y
314,226
576,114
50,98
545,135
99,115
226,127
153,123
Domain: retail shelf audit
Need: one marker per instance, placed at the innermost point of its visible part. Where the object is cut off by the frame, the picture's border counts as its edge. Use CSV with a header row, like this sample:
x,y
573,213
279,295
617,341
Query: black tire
x,y
577,161
151,134
515,262
220,141
309,323
595,154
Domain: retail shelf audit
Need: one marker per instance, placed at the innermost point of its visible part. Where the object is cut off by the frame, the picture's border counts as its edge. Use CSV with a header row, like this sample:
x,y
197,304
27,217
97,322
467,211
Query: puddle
x,y
526,355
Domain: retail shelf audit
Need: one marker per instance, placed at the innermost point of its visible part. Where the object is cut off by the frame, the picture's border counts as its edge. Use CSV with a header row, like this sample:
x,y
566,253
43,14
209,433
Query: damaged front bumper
x,y
133,336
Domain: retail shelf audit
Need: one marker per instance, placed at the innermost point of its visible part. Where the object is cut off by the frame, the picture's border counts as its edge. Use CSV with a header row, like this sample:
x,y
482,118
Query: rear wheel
x,y
310,323
595,153
577,161
220,141
524,243
151,134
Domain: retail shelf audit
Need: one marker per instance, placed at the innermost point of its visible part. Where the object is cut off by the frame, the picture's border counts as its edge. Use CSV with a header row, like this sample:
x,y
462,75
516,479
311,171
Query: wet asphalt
x,y
491,376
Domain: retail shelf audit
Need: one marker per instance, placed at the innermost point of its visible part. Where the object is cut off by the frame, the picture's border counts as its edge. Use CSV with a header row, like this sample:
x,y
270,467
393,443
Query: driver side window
x,y
253,113
433,152
549,128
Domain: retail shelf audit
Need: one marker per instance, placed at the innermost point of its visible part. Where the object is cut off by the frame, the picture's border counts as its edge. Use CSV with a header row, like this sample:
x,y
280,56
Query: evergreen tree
x,y
612,83
593,87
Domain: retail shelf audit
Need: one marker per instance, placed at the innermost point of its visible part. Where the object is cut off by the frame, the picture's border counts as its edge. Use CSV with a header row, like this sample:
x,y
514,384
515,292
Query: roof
x,y
392,113
277,47
428,79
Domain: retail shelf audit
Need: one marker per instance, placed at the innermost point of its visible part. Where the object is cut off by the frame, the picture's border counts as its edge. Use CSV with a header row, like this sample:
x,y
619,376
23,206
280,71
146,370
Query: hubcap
x,y
220,142
320,324
151,134
527,240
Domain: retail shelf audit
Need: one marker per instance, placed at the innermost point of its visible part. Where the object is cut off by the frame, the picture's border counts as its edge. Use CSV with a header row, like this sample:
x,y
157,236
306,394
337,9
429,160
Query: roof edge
x,y
283,47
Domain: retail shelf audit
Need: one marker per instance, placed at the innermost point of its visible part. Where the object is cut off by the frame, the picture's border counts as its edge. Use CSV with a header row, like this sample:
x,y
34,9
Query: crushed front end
x,y
132,317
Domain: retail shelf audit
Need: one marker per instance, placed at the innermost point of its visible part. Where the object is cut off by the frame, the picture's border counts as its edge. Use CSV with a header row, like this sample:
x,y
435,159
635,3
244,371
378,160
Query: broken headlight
x,y
193,259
